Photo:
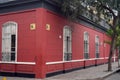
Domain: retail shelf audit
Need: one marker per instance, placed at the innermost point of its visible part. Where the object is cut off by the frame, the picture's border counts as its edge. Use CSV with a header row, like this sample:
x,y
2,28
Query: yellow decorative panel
x,y
48,27
32,26
4,78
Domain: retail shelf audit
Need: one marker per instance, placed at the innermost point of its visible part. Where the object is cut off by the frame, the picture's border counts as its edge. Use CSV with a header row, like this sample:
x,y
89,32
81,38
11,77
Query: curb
x,y
108,74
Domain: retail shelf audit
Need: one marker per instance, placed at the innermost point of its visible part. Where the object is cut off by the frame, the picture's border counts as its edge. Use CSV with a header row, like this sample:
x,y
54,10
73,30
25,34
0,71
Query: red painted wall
x,y
54,48
26,39
42,46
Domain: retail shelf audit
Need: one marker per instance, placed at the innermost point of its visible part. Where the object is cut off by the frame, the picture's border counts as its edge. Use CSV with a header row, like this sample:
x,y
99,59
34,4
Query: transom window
x,y
9,41
86,45
67,43
97,52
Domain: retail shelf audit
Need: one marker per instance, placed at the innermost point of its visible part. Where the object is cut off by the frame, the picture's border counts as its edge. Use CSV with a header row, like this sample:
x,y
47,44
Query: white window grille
x,y
97,51
86,45
9,41
67,43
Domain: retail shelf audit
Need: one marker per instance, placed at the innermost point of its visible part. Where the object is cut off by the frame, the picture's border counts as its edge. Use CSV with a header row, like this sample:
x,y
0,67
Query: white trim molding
x,y
57,62
79,60
106,57
27,63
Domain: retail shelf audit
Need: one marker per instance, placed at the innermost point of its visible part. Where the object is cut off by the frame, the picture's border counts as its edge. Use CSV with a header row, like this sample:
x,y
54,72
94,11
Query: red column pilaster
x,y
40,68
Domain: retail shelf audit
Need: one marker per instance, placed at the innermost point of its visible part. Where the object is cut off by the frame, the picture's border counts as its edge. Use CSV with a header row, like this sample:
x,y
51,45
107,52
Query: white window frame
x,y
67,32
86,39
97,46
9,24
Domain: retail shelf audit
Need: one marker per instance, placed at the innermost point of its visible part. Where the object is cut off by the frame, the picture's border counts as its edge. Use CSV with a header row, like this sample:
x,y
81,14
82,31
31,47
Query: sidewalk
x,y
88,73
92,73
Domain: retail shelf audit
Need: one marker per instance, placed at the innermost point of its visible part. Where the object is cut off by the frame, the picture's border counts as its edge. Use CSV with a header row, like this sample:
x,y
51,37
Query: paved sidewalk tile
x,y
88,73
92,73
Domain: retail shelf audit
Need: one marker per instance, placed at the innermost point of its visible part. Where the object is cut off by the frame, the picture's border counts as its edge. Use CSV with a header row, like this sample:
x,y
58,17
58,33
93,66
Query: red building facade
x,y
38,41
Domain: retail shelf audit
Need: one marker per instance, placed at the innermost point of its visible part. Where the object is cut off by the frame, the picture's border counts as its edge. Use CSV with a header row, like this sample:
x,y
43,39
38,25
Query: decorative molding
x,y
27,63
79,60
106,57
51,5
57,62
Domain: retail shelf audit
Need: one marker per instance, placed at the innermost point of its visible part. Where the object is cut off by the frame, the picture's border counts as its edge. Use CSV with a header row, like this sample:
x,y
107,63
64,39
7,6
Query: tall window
x,y
67,38
9,42
86,45
97,52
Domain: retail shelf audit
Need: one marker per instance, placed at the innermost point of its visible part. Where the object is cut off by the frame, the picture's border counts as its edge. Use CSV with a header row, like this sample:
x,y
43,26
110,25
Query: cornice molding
x,y
51,5
16,2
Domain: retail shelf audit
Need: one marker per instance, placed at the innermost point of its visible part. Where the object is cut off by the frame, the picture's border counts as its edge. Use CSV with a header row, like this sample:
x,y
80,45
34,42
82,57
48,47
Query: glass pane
x,y
12,56
8,29
13,40
13,29
13,49
86,55
67,56
86,36
7,45
5,56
